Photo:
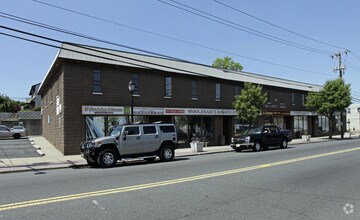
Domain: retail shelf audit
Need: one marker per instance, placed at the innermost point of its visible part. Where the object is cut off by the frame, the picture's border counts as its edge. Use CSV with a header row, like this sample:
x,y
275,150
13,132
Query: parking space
x,y
16,148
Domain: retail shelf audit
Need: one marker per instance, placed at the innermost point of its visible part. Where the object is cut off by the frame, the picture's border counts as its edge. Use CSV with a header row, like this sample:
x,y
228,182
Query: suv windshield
x,y
116,131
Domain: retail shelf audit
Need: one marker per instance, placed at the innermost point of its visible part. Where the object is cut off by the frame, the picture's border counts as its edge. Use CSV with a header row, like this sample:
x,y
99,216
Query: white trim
x,y
97,93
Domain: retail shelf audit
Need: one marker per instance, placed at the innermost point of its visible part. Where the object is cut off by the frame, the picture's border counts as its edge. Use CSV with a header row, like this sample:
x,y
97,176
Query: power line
x,y
353,67
354,55
49,27
244,28
277,26
42,25
108,53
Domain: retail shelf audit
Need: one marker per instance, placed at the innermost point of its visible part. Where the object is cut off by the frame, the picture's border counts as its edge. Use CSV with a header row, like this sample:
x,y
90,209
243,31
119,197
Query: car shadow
x,y
129,163
262,150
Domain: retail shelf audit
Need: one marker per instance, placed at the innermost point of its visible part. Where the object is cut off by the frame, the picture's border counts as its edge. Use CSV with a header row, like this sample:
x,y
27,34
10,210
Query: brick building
x,y
85,93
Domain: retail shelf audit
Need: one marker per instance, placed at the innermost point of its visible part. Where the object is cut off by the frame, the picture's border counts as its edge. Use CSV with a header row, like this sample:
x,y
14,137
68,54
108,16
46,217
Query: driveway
x,y
16,148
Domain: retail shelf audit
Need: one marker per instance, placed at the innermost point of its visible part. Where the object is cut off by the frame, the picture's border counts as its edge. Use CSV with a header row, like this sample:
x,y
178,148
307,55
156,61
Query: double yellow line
x,y
49,200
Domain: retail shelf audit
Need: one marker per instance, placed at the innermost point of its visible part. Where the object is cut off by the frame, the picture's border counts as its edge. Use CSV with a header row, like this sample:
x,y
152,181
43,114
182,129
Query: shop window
x,y
135,80
218,92
323,124
97,81
149,129
300,125
194,89
168,87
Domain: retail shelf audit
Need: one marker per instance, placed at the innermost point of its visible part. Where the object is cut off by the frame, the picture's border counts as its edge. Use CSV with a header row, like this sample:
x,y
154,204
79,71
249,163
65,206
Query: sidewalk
x,y
53,159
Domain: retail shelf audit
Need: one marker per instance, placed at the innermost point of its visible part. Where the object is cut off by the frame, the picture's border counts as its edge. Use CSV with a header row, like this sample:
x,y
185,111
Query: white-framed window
x,y
168,87
218,92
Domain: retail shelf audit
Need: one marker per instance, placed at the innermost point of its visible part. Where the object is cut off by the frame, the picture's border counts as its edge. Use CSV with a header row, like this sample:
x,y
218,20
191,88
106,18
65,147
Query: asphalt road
x,y
313,181
16,148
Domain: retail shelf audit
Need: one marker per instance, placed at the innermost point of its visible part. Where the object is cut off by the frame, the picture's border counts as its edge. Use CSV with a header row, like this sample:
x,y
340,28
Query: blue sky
x,y
334,22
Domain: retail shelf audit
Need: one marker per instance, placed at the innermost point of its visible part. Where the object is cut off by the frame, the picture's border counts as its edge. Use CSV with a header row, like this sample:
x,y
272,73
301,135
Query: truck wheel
x,y
167,153
257,147
284,144
107,158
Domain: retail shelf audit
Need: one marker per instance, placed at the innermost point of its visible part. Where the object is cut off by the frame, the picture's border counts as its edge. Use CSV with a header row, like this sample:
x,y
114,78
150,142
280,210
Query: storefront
x,y
192,123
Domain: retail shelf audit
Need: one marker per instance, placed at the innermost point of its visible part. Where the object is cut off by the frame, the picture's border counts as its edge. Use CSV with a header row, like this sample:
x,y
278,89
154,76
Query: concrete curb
x,y
38,148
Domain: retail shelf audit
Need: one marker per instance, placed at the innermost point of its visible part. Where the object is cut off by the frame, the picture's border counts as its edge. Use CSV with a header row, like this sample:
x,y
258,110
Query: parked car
x,y
261,138
19,129
6,132
131,141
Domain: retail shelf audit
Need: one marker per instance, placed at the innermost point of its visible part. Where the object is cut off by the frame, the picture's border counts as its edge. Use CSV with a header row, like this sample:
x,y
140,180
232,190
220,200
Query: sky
x,y
327,27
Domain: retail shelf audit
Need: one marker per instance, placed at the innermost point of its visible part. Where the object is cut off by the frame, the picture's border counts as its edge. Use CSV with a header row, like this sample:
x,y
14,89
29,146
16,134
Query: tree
x,y
227,63
334,96
250,102
8,105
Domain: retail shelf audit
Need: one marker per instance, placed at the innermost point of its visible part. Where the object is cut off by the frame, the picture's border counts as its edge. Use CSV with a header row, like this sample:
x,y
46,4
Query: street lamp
x,y
131,87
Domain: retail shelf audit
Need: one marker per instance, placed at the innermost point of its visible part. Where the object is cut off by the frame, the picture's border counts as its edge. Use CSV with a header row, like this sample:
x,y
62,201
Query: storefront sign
x,y
198,111
102,110
276,113
148,111
305,113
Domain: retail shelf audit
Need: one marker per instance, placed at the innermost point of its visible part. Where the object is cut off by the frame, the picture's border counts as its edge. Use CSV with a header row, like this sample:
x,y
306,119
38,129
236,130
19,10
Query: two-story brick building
x,y
85,94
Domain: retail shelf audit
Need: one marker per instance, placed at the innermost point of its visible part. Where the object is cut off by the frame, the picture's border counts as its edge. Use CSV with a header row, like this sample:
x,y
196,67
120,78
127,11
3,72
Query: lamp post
x,y
131,87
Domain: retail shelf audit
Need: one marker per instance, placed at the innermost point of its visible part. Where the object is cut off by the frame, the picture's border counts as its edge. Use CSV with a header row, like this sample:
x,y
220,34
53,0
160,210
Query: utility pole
x,y
341,68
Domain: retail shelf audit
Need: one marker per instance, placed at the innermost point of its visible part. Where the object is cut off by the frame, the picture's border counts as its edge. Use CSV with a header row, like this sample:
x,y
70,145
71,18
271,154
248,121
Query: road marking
x,y
70,197
98,205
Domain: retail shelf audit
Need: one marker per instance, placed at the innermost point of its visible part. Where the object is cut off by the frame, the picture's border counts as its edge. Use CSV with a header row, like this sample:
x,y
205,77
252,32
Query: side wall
x,y
53,123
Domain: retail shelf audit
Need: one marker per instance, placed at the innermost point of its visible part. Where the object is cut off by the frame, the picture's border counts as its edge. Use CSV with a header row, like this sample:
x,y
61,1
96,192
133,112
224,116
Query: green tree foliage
x,y
227,63
250,102
334,96
8,105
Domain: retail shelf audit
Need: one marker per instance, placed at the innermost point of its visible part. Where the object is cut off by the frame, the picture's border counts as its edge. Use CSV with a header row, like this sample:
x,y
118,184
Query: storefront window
x,y
194,128
323,123
300,125
95,127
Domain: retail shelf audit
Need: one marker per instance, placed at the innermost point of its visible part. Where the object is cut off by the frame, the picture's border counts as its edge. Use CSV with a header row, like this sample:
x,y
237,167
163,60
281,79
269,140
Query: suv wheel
x,y
107,158
167,153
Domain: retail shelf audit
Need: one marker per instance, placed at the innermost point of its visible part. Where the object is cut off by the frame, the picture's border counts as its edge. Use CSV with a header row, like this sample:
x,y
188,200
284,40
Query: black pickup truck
x,y
261,137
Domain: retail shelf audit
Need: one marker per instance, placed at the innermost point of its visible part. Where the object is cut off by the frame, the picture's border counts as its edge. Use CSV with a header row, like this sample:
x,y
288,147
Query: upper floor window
x,y
168,87
268,98
217,91
194,89
97,81
237,90
303,99
293,98
348,110
135,80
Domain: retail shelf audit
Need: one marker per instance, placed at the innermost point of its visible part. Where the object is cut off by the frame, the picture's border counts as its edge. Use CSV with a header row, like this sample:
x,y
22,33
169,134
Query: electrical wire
x,y
244,28
90,48
277,26
42,25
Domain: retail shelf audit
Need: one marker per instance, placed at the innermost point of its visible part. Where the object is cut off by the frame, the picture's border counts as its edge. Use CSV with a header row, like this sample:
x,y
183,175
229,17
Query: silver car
x,y
16,133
